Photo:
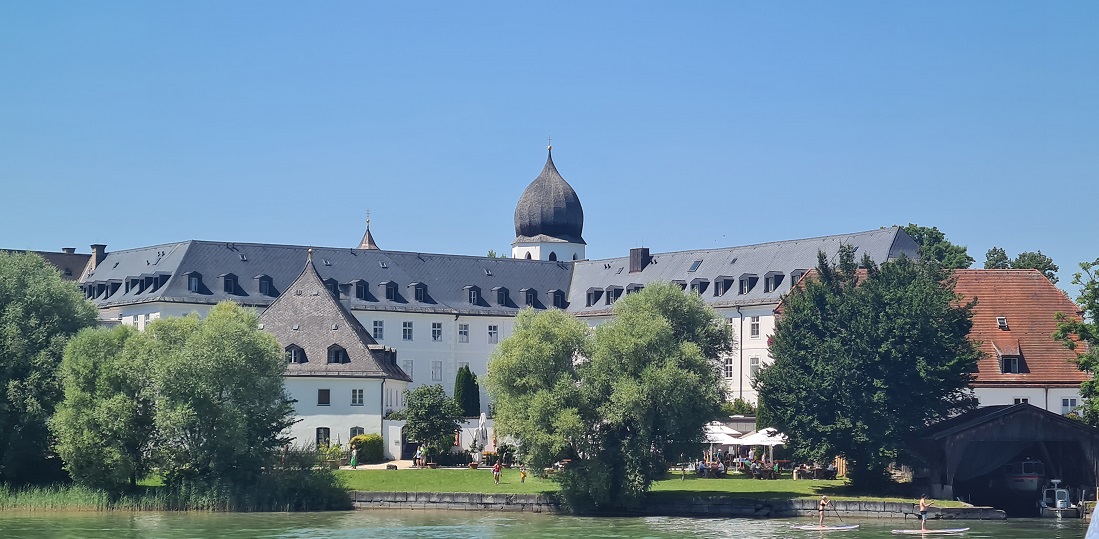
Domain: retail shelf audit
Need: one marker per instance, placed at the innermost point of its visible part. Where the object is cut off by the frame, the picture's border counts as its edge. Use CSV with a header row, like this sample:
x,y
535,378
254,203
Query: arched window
x,y
553,256
528,255
295,354
575,257
357,431
337,354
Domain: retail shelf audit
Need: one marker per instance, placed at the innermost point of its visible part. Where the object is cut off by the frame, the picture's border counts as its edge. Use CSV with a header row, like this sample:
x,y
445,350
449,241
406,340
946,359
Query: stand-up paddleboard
x,y
810,527
946,531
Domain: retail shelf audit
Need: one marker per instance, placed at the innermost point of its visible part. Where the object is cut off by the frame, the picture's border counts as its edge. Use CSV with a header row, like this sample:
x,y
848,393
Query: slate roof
x,y
444,276
730,264
309,317
1029,302
549,207
71,265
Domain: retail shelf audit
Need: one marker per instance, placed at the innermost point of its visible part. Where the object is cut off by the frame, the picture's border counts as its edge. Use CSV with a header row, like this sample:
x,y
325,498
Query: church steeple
x,y
549,220
368,240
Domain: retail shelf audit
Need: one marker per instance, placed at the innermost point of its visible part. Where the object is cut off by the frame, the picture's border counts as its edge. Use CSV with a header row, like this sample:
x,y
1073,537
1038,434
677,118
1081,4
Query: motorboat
x,y
1057,502
1025,477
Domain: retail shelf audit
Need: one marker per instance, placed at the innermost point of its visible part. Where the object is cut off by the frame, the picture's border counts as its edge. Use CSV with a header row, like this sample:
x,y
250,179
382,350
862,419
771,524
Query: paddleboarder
x,y
824,503
924,504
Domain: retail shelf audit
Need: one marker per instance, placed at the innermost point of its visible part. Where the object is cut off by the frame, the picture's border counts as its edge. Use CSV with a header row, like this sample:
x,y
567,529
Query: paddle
x,y
838,514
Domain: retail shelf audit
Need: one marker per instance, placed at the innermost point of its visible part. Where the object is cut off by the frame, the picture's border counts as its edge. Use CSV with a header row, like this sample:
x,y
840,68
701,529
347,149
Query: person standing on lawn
x,y
496,472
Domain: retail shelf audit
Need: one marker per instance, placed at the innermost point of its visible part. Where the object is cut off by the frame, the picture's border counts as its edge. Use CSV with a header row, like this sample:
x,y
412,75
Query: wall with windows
x,y
340,405
1059,400
432,347
549,251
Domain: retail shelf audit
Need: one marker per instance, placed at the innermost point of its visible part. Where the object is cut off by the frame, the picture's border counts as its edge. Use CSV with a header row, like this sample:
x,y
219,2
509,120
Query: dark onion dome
x,y
549,209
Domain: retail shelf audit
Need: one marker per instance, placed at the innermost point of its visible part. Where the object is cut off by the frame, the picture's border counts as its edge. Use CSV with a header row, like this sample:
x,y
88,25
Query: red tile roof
x,y
1029,302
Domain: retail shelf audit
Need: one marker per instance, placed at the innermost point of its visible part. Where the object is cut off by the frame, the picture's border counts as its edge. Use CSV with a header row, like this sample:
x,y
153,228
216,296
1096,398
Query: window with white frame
x,y
406,331
436,331
356,397
436,371
753,368
463,332
1009,365
1022,400
406,366
357,431
379,330
729,367
493,334
1068,406
755,327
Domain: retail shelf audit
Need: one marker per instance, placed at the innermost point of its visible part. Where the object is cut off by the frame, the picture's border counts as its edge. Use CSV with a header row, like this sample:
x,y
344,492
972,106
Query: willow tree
x,y
864,359
620,401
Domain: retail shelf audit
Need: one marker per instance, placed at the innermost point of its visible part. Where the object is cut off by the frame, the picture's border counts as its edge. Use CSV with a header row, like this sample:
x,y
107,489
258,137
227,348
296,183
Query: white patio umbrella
x,y
768,437
715,436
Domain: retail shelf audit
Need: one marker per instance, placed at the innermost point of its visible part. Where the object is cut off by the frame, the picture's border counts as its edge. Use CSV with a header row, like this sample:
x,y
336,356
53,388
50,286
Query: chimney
x,y
99,252
68,250
639,258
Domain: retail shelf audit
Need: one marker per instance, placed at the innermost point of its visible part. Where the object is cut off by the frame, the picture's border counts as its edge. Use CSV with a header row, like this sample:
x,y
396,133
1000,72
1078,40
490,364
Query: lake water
x,y
475,525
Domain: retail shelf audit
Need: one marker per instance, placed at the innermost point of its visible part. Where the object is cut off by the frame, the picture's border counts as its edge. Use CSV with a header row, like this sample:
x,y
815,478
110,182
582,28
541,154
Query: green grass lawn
x,y
480,481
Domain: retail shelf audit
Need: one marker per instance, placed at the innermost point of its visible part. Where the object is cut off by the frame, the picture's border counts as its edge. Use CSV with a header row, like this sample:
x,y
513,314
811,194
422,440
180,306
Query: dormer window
x,y
699,286
294,354
530,297
502,298
266,285
722,284
1009,364
362,289
634,288
748,282
680,283
419,291
613,293
473,294
795,276
333,287
337,354
390,289
229,283
593,295
558,298
194,282
772,280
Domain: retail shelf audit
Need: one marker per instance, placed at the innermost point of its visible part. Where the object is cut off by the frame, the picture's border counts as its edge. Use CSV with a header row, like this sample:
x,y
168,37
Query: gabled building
x,y
1013,323
344,382
68,262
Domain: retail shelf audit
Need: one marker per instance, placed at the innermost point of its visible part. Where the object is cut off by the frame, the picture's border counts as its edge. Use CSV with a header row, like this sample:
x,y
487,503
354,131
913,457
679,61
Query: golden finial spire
x,y
310,254
368,218
549,144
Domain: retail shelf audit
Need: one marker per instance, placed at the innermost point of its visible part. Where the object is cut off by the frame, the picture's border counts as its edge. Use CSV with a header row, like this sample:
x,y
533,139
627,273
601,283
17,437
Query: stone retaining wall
x,y
712,507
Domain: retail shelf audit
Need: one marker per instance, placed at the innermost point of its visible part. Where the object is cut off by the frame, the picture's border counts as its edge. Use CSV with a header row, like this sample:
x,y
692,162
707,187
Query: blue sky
x,y
680,125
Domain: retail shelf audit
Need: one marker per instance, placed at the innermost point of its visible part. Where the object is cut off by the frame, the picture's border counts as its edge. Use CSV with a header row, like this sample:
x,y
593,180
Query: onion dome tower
x,y
549,220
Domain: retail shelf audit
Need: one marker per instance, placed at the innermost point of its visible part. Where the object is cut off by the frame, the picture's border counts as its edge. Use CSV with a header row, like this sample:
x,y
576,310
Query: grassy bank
x,y
480,481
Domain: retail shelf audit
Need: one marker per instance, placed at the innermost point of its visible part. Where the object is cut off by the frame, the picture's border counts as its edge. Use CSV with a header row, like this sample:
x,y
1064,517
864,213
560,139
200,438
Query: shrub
x,y
369,447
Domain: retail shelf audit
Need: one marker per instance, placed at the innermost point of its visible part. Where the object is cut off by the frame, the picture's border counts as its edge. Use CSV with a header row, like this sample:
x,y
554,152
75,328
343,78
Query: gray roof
x,y
549,207
164,270
730,265
309,317
446,277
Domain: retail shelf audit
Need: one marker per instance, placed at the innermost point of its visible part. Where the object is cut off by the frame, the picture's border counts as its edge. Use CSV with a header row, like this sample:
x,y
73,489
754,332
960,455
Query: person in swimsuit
x,y
924,504
820,509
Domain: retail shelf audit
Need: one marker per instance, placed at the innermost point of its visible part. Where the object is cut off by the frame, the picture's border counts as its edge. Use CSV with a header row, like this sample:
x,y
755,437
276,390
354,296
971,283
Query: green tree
x,y
38,313
1082,335
934,246
431,418
467,393
864,359
104,426
621,401
996,258
221,408
737,406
